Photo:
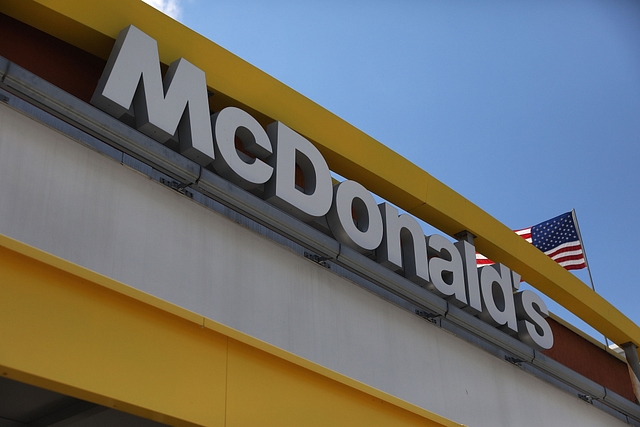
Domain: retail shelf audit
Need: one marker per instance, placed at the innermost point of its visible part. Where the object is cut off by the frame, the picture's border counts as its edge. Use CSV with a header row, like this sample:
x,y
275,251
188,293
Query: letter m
x,y
132,79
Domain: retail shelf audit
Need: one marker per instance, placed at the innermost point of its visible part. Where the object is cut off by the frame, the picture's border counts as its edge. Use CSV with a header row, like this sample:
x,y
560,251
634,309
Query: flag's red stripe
x,y
525,233
572,263
575,266
482,260
567,253
560,250
562,259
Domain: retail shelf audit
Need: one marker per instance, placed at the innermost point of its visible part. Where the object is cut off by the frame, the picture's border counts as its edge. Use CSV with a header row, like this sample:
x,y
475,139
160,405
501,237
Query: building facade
x,y
140,284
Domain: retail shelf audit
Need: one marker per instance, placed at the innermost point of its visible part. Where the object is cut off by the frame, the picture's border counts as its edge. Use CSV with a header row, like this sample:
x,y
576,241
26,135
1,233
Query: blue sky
x,y
528,109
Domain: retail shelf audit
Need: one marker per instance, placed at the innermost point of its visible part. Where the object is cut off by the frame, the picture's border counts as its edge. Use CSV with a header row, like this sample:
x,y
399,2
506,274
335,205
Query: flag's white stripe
x,y
572,262
567,253
564,245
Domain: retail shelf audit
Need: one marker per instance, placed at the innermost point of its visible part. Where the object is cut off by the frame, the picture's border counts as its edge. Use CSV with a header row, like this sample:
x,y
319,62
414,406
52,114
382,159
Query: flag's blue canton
x,y
553,233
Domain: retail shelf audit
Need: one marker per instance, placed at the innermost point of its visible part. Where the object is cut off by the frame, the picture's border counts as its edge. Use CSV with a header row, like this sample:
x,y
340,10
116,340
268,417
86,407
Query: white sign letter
x,y
533,329
231,164
468,253
132,76
363,234
291,149
498,307
403,240
445,270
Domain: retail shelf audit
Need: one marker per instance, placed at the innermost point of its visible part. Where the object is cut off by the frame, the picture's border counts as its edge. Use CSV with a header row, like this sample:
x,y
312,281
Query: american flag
x,y
557,237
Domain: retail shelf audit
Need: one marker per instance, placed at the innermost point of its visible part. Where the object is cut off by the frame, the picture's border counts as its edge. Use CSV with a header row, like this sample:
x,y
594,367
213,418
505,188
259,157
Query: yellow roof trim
x,y
348,151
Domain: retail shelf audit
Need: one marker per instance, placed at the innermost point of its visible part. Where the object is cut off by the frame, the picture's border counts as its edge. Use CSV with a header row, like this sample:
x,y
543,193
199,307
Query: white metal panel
x,y
66,199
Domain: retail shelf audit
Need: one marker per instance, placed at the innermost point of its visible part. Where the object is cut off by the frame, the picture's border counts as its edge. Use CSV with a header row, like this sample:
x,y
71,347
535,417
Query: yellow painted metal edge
x,y
145,298
347,150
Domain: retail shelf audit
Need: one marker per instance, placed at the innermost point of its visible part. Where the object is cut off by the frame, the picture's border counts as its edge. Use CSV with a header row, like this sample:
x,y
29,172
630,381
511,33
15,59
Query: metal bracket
x,y
431,317
175,185
514,360
465,235
318,259
586,398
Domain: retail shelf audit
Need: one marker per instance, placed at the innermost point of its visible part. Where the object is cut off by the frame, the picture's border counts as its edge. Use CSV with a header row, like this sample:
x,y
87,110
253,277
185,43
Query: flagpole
x,y
584,252
586,261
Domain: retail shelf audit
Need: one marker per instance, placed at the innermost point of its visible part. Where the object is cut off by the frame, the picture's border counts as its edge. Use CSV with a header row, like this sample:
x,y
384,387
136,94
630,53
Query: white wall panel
x,y
68,200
